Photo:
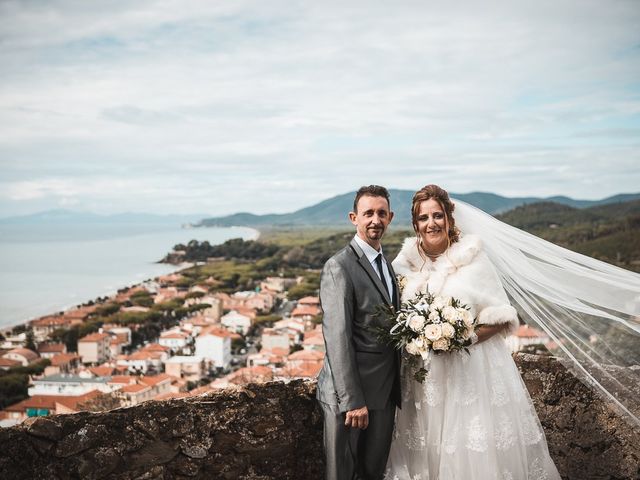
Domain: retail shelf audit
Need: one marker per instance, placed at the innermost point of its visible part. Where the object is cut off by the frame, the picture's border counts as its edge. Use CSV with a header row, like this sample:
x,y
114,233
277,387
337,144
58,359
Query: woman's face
x,y
432,228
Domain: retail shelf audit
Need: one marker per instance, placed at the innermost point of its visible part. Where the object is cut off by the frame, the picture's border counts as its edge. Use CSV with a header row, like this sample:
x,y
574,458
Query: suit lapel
x,y
364,263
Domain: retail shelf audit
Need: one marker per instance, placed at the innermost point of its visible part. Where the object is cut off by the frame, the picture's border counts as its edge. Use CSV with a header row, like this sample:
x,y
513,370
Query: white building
x,y
214,312
70,385
174,339
15,341
214,344
272,338
50,350
95,348
141,361
22,355
123,333
191,368
295,327
236,322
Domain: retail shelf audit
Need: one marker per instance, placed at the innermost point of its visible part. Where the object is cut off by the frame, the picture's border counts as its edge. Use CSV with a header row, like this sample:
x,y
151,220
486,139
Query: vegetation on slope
x,y
609,232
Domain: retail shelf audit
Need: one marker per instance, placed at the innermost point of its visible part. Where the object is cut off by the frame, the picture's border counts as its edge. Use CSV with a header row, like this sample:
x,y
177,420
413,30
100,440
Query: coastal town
x,y
232,339
210,340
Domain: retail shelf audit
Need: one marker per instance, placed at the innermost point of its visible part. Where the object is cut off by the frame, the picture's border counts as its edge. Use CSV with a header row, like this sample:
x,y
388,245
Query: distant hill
x,y
333,211
607,232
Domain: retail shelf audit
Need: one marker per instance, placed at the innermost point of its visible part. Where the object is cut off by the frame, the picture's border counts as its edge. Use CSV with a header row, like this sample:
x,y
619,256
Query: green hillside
x,y
333,211
607,232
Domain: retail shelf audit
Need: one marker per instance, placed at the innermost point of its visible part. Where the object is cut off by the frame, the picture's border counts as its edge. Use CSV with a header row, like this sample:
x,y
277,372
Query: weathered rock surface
x,y
264,432
274,431
587,438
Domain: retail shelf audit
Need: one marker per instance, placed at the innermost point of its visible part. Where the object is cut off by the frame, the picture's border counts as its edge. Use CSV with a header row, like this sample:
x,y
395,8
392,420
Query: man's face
x,y
371,219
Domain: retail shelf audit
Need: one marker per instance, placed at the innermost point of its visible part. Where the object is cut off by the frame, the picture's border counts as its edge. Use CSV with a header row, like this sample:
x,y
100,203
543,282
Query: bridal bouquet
x,y
426,324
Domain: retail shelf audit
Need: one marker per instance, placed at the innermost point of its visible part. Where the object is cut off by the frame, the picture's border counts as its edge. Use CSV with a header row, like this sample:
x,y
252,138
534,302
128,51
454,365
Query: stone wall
x,y
587,439
273,431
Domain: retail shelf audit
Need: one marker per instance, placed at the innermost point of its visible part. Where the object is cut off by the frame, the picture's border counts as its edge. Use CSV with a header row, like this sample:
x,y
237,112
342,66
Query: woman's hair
x,y
442,197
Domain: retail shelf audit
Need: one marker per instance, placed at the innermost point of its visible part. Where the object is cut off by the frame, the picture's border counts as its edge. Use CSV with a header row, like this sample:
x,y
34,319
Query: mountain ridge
x,y
333,211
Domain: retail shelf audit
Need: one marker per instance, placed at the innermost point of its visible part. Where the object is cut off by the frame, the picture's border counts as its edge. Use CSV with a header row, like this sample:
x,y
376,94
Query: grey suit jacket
x,y
357,370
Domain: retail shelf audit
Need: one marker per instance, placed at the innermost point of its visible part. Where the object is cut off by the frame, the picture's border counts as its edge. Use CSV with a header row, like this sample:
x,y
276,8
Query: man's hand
x,y
358,418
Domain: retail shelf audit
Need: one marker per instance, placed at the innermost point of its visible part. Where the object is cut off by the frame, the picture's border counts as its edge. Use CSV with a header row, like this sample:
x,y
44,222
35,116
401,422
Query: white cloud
x,y
194,103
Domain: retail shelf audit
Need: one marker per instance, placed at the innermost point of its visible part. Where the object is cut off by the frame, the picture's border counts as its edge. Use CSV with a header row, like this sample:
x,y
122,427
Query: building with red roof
x,y
63,363
303,364
22,355
48,350
45,326
305,312
143,361
191,368
313,339
214,344
7,363
309,301
95,348
244,376
135,394
174,339
525,336
43,405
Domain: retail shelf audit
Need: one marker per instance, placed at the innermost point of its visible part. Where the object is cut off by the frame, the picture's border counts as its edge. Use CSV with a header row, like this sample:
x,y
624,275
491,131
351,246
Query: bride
x,y
472,418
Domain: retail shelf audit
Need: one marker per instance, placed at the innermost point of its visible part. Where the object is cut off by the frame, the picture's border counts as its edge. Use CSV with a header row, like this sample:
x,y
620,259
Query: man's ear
x,y
352,217
390,216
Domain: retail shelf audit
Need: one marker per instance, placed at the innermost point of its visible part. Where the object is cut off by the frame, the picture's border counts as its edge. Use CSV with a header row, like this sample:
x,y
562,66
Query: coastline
x,y
111,291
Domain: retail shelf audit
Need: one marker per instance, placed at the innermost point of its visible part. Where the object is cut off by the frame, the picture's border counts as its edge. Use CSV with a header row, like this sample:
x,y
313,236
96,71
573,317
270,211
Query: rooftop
x,y
30,355
63,359
94,337
51,348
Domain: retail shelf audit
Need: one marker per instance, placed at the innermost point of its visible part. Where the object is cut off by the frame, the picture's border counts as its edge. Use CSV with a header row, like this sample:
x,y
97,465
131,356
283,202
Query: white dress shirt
x,y
371,254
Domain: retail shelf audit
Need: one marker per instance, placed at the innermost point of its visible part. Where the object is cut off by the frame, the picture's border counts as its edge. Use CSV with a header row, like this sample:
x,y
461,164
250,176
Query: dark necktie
x,y
382,275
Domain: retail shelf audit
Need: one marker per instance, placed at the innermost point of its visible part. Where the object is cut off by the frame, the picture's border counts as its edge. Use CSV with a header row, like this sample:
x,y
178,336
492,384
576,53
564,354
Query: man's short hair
x,y
372,191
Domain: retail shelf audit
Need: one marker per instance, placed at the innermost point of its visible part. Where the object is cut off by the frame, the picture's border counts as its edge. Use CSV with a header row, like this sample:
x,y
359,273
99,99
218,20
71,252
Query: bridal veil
x,y
589,309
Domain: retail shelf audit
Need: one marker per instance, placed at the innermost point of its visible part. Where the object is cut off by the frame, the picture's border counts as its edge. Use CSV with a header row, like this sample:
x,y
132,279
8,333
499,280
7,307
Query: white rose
x,y
469,331
416,322
416,346
433,332
448,331
434,317
412,349
466,316
438,303
449,314
443,301
441,344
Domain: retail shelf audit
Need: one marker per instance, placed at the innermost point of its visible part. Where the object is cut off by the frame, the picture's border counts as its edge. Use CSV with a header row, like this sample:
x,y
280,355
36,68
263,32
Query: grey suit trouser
x,y
352,453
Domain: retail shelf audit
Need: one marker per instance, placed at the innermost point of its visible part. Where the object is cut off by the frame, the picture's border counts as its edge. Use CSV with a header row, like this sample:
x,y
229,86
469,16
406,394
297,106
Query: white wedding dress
x,y
472,418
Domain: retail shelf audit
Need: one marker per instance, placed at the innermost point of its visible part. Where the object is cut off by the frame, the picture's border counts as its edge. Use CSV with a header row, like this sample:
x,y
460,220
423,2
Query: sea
x,y
45,269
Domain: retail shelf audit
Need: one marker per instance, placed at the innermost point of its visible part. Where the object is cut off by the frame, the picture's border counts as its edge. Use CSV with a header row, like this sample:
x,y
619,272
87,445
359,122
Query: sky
x,y
269,106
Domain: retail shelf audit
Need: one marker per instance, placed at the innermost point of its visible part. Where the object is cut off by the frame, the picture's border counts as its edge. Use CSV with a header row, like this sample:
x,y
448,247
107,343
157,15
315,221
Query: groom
x,y
359,384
